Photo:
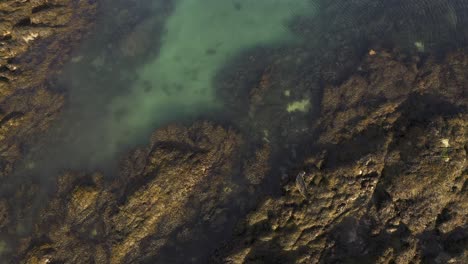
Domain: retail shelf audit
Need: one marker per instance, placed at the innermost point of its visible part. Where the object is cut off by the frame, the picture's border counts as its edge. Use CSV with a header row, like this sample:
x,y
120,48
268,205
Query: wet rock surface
x,y
386,179
186,184
380,150
36,38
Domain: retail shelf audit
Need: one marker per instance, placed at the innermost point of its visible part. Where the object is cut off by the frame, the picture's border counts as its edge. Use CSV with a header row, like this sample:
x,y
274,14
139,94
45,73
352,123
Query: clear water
x,y
123,85
155,62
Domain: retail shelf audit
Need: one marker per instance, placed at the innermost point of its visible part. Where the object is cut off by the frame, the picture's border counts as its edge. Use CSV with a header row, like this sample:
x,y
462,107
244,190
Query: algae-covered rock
x,y
387,188
36,38
182,186
385,181
326,156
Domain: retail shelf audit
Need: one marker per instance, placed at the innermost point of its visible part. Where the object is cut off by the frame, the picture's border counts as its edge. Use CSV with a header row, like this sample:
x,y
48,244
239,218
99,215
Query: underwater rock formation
x,y
385,181
184,185
383,186
36,38
378,137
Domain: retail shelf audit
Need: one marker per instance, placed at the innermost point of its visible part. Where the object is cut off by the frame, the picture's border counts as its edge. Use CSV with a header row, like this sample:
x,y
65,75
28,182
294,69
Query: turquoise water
x,y
200,37
146,65
156,62
151,63
122,85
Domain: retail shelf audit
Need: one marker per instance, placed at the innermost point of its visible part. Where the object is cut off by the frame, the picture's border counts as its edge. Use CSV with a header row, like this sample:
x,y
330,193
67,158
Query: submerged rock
x,y
184,185
384,189
300,184
378,185
384,149
36,38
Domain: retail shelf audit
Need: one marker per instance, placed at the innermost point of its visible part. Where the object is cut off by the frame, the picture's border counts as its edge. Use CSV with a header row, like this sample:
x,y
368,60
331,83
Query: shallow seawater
x,y
151,63
200,37
122,85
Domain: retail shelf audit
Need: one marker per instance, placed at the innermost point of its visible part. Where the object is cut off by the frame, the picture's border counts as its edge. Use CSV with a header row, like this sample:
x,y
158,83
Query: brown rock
x,y
387,181
183,179
28,30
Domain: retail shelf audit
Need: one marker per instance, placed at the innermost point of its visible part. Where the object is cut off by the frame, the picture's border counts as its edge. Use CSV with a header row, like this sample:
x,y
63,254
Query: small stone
x,y
76,59
317,179
319,164
30,37
445,142
300,184
419,46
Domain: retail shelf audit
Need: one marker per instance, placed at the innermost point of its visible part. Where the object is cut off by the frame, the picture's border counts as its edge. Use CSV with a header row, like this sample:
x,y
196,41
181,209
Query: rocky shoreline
x,y
382,152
